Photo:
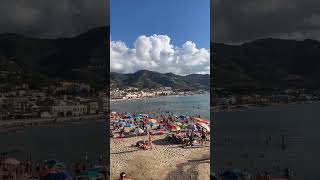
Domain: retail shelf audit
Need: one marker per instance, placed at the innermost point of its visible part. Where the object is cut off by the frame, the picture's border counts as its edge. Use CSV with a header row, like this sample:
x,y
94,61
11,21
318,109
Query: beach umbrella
x,y
162,131
138,131
11,161
201,120
192,126
122,123
203,125
130,125
184,126
198,119
58,165
54,164
178,123
59,176
152,120
173,127
91,173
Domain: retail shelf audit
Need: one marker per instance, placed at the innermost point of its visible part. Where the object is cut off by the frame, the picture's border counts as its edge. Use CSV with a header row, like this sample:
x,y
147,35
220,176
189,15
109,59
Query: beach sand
x,y
165,161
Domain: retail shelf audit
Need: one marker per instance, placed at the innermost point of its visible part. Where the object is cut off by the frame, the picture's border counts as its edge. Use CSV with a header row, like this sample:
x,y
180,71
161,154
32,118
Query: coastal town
x,y
136,93
231,100
58,100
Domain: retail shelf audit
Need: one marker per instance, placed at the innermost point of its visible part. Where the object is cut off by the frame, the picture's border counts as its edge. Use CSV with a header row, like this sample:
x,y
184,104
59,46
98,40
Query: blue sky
x,y
181,20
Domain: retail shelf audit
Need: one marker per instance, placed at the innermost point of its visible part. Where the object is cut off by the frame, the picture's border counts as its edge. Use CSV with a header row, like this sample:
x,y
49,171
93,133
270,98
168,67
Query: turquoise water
x,y
179,105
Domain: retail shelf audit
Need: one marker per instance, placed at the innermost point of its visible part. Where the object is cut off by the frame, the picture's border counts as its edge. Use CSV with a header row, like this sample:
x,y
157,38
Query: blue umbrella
x,y
64,175
129,125
192,126
152,124
51,163
59,176
122,123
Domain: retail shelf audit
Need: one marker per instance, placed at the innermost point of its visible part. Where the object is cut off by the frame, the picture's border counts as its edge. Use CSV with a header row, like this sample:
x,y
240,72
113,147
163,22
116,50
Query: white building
x,y
69,110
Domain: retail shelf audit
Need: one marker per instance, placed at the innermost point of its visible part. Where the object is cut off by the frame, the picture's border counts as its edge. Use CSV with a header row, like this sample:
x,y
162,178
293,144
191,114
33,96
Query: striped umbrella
x,y
201,120
203,125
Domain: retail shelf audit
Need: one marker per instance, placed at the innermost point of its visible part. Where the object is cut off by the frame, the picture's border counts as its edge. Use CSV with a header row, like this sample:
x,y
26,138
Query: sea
x,y
194,105
239,140
68,142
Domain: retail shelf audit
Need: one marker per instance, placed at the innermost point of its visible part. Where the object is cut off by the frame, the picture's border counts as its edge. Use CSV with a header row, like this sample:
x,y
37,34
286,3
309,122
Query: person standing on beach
x,y
203,137
143,125
150,140
37,170
122,132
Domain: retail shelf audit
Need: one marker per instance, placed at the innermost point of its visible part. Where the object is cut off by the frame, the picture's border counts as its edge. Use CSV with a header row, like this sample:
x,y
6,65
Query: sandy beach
x,y
166,161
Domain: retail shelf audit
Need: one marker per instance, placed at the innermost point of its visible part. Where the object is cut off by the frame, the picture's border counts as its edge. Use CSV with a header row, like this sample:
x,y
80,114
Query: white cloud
x,y
155,53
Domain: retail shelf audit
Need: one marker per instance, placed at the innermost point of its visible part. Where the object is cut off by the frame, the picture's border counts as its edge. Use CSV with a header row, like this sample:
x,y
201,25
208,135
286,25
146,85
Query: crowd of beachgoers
x,y
164,146
11,168
180,129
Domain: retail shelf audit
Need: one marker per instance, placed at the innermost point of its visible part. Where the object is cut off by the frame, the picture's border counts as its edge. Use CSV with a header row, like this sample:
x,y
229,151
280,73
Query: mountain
x,y
37,61
149,79
266,63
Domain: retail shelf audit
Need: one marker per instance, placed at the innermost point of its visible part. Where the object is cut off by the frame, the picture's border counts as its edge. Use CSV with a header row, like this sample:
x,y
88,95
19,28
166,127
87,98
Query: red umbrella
x,y
173,127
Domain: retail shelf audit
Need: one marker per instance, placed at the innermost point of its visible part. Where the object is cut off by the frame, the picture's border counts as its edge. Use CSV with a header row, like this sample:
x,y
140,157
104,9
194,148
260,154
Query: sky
x,y
240,21
52,18
160,35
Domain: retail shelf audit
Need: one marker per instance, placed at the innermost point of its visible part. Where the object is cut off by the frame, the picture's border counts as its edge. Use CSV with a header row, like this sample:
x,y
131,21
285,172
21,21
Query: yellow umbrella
x,y
198,119
203,125
152,120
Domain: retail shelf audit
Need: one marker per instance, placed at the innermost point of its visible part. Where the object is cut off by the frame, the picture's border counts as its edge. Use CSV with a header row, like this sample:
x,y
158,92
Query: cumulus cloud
x,y
156,53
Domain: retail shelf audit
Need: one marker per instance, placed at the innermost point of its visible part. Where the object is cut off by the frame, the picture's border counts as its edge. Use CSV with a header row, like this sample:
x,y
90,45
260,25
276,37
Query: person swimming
x,y
283,146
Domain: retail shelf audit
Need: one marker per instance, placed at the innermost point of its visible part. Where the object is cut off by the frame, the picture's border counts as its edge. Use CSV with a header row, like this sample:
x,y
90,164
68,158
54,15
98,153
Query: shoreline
x,y
116,100
22,123
246,107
